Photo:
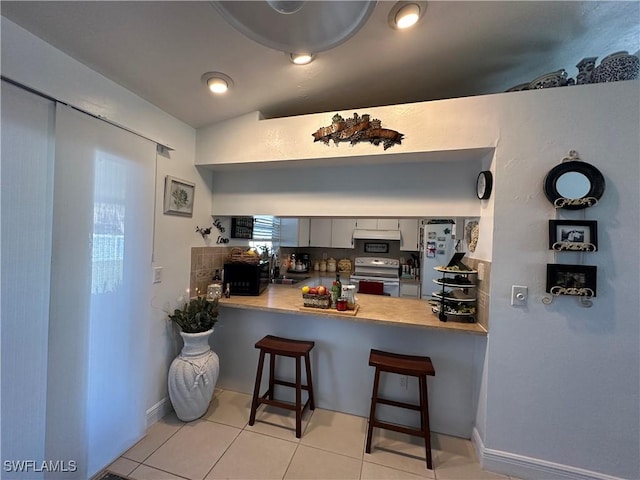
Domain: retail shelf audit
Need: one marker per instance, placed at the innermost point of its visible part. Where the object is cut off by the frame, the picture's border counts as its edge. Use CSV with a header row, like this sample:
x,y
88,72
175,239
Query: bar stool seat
x,y
410,365
279,346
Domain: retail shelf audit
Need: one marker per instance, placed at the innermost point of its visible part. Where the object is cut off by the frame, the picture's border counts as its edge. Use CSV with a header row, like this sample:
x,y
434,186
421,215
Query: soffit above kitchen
x,y
160,50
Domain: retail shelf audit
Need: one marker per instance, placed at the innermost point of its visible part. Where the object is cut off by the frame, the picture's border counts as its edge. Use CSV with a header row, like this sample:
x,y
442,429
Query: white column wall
x,y
568,376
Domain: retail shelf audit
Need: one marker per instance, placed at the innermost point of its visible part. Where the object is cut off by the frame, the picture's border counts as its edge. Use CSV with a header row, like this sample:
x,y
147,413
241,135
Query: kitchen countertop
x,y
372,309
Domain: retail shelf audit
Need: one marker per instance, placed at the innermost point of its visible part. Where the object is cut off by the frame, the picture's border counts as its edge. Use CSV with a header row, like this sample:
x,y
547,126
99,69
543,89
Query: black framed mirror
x,y
574,185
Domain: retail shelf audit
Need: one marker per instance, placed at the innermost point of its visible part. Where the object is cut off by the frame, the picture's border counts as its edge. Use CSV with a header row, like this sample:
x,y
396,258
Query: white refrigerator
x,y
437,246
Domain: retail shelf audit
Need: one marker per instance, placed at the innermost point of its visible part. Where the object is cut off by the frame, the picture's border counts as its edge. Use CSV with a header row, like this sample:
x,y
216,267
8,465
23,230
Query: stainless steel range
x,y
376,269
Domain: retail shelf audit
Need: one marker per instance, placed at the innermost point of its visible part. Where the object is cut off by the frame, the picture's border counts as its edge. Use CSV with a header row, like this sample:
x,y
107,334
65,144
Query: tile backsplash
x,y
204,262
482,292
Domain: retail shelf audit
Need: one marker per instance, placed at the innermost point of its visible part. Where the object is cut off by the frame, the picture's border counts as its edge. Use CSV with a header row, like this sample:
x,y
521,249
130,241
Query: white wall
x,y
566,375
32,62
559,387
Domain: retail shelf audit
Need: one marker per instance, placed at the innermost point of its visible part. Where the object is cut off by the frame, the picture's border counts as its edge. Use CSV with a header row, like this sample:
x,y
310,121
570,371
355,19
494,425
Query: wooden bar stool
x,y
412,366
288,348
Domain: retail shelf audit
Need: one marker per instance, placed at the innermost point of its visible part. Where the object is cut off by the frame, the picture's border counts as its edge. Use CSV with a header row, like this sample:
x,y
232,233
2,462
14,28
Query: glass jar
x,y
341,304
349,292
214,291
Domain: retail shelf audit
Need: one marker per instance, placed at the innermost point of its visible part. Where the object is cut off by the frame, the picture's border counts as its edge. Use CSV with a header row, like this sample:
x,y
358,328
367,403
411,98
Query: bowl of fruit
x,y
316,297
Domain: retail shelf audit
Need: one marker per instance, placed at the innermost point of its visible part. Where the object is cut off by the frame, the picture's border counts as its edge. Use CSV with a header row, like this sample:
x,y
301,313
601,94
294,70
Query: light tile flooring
x,y
222,445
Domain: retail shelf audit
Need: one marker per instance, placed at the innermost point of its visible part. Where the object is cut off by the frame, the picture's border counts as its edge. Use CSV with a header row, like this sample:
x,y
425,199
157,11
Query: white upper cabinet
x,y
294,232
367,223
377,223
409,232
388,224
342,232
320,232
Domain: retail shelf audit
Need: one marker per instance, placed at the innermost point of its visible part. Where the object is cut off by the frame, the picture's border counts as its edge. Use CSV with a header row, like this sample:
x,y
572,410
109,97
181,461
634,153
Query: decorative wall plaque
x,y
357,129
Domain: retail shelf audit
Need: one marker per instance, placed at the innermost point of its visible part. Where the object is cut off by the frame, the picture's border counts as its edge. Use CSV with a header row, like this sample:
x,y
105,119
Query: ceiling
x,y
160,50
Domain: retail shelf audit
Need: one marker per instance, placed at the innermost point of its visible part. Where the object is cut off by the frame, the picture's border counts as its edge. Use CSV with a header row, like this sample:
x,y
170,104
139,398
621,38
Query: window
x,y
265,232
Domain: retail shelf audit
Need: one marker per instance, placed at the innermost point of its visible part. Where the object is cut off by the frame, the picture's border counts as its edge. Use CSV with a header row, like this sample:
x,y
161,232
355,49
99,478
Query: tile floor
x,y
222,445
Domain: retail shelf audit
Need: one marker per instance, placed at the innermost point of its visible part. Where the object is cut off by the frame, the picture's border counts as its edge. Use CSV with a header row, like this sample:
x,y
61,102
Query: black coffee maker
x,y
305,258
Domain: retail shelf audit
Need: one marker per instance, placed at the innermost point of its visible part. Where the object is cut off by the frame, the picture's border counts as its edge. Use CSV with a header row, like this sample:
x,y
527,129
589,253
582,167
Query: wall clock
x,y
484,184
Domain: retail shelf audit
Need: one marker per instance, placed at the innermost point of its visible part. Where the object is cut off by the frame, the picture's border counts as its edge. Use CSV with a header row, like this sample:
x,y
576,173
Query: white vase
x,y
192,376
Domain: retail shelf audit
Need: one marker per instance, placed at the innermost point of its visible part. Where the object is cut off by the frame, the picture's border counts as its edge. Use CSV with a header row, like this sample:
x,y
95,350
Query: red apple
x,y
322,290
313,291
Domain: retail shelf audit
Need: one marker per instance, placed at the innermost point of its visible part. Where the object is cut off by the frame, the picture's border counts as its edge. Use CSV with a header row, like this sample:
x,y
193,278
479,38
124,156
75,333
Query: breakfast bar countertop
x,y
372,309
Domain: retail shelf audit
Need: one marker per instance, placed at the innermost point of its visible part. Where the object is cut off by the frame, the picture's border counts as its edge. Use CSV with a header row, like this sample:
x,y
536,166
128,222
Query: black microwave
x,y
246,278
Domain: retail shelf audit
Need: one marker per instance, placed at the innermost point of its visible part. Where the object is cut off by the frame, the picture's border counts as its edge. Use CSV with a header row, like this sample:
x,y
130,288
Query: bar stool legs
x,y
409,365
296,349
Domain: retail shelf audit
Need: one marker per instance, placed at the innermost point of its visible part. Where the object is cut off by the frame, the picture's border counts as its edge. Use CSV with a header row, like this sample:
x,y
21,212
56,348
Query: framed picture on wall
x,y
178,196
573,235
577,280
242,227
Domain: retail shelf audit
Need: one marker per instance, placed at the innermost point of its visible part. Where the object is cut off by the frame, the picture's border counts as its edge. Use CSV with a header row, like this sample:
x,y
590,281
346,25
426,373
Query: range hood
x,y
376,234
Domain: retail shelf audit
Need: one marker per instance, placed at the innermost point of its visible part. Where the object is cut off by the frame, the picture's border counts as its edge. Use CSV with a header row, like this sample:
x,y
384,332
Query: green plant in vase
x,y
194,372
197,315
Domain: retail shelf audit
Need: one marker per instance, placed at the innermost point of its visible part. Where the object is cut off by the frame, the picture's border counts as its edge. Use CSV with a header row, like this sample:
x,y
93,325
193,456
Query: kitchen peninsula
x,y
341,374
380,309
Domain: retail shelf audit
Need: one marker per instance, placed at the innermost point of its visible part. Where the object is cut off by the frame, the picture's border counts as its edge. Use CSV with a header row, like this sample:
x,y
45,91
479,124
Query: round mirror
x,y
574,185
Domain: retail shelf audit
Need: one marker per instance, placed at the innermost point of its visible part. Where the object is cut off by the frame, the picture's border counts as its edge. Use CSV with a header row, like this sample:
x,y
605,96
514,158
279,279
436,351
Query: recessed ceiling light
x,y
406,14
302,58
217,82
218,85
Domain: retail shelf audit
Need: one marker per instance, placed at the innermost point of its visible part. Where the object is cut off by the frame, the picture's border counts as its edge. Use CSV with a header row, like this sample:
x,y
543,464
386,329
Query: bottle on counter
x,y
227,291
336,291
214,290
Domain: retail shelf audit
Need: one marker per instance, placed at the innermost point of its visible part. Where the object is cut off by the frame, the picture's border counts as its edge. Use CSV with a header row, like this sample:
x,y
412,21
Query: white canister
x,y
323,265
331,265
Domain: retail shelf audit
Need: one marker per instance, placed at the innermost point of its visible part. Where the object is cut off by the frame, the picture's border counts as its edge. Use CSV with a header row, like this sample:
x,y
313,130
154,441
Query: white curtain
x,y
100,290
26,212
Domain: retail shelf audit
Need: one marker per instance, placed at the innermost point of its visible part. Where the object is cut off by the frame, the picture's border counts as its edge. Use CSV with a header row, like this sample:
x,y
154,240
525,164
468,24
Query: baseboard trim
x,y
526,467
157,411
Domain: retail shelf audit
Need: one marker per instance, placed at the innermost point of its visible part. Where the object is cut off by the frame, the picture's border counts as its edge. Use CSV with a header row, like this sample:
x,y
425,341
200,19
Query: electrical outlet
x,y
157,274
480,271
519,295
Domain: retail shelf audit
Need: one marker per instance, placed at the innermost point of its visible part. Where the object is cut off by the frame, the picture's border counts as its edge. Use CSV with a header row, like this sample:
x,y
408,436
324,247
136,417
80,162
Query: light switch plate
x,y
157,274
519,295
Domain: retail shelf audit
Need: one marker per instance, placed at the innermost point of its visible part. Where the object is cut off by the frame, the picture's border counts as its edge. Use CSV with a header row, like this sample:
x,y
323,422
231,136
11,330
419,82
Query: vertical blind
x,y
26,199
100,290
